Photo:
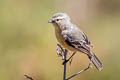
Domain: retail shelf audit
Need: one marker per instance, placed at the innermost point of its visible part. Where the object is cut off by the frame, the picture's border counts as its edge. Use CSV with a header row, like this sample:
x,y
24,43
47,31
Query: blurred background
x,y
28,43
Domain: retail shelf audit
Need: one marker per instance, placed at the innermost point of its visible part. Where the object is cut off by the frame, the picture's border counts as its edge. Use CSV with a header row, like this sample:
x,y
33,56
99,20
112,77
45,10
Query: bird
x,y
72,37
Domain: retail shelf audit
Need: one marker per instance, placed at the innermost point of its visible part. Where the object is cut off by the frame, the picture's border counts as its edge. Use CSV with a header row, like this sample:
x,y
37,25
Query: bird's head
x,y
60,19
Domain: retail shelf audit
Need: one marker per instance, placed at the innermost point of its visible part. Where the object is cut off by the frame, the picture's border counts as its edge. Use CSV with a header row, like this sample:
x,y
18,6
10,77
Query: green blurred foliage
x,y
28,44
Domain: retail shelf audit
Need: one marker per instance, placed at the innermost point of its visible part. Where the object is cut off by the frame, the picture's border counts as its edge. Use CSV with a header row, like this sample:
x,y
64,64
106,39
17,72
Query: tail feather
x,y
96,62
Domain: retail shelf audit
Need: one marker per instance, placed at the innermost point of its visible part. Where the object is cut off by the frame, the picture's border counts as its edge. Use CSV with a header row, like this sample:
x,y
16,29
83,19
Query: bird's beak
x,y
50,21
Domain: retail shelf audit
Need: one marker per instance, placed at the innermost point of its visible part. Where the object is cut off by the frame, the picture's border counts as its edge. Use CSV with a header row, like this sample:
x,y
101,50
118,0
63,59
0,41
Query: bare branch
x,y
63,53
64,75
89,66
70,58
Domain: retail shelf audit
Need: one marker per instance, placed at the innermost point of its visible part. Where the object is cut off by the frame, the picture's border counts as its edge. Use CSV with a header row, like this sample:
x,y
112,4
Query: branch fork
x,y
63,53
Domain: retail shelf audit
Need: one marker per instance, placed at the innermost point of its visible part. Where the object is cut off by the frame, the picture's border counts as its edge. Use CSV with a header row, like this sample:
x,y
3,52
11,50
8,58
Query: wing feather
x,y
77,44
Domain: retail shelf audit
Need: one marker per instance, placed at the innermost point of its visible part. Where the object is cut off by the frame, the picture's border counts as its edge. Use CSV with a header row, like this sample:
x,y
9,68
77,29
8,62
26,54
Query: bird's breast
x,y
62,41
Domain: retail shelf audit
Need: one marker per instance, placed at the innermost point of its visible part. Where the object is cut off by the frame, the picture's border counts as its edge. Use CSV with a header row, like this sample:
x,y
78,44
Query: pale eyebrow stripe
x,y
59,18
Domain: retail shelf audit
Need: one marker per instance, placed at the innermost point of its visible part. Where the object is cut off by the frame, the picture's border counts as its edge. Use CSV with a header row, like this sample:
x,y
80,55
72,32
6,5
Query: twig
x,y
63,53
64,74
69,58
28,77
89,66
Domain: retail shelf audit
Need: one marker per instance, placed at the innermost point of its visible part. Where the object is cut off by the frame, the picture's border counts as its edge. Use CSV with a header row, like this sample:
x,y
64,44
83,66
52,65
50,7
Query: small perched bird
x,y
72,38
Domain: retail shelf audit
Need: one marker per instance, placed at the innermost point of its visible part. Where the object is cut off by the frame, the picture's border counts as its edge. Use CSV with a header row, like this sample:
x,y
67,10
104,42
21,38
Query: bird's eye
x,y
57,19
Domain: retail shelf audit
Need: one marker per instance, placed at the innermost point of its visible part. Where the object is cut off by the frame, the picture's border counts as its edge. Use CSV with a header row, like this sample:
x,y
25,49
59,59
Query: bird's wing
x,y
87,40
76,42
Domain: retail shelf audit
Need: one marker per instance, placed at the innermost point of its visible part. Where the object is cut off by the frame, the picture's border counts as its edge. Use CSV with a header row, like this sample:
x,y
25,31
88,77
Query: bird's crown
x,y
60,16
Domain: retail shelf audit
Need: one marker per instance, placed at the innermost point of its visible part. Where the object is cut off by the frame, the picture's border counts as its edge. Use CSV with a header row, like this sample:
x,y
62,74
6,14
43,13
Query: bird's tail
x,y
96,61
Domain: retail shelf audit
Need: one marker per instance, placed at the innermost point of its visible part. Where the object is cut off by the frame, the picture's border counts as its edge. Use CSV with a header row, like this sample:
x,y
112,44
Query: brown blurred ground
x,y
28,44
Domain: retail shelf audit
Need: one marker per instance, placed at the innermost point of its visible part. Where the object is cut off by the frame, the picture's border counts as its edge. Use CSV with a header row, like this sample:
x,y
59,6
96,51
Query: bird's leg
x,y
69,59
